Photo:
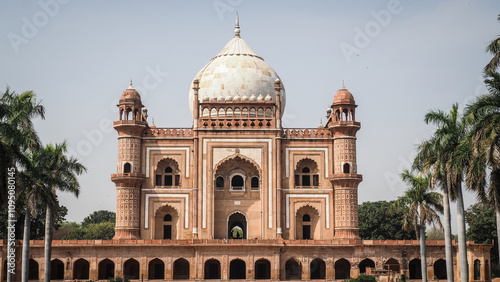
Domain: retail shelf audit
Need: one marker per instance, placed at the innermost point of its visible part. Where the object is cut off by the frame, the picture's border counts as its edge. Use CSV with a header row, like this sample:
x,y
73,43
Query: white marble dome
x,y
236,71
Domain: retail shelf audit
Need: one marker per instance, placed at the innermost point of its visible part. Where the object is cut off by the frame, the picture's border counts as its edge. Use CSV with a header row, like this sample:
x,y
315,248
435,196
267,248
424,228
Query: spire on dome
x,y
343,85
237,26
130,86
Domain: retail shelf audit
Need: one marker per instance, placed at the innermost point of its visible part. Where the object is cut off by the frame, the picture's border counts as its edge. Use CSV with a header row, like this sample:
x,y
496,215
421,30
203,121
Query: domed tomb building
x,y
237,196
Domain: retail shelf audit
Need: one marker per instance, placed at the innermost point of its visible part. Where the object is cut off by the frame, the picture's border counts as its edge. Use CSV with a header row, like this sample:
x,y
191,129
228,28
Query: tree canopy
x,y
376,224
482,226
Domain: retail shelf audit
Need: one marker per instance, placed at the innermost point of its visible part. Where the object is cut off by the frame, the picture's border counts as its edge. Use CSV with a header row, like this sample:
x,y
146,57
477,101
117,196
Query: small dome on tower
x,y
343,96
130,93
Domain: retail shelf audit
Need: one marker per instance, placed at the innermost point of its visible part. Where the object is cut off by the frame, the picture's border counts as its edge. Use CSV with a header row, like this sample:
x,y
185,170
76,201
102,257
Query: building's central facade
x,y
237,173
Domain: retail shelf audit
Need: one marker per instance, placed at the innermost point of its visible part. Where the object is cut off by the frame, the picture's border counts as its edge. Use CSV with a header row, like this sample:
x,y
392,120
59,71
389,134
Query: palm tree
x,y
17,133
453,160
61,174
484,138
34,192
420,206
431,160
494,49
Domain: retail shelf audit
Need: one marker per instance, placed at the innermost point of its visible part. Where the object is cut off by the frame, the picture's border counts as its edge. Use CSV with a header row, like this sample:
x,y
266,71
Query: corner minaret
x,y
345,179
129,178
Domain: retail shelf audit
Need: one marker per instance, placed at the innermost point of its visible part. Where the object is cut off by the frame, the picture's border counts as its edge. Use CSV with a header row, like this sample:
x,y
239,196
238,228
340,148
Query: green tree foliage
x,y
435,233
363,278
103,228
376,224
37,225
482,226
99,217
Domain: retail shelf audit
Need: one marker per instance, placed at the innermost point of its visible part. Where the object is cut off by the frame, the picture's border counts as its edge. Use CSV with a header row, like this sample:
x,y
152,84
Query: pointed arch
x,y
81,268
307,222
306,173
167,173
293,270
236,157
166,222
56,269
342,269
262,269
181,269
234,220
131,269
106,269
156,269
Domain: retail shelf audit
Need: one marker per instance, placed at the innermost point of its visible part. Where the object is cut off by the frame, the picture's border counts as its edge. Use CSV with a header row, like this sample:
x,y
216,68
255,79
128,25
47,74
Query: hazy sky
x,y
399,59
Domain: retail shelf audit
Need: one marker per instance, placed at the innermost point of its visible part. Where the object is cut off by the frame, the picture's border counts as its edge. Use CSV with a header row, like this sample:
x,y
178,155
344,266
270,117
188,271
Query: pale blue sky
x,y
399,59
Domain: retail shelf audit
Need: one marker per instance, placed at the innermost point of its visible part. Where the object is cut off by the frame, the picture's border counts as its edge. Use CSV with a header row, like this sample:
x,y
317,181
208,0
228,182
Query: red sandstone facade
x,y
237,196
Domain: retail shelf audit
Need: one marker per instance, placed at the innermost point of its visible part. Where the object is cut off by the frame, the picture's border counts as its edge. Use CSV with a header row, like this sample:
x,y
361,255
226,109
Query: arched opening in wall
x,y
229,112
121,113
205,113
415,269
212,269
262,269
269,112
81,269
237,182
342,269
346,115
293,270
136,114
168,173
166,223
477,269
254,183
56,270
237,269
219,183
156,269
337,115
306,174
366,263
222,112
393,265
127,168
260,112
131,269
253,112
106,269
351,113
181,269
244,112
237,112
33,270
318,269
347,168
237,226
213,113
128,114
306,224
440,269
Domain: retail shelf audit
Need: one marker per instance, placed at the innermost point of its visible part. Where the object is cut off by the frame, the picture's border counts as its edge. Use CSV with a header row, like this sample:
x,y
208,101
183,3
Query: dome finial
x,y
343,85
237,26
130,86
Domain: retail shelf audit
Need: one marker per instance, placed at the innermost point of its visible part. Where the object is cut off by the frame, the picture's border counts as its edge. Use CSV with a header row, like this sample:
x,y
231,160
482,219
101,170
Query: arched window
x,y
306,218
252,112
237,112
307,174
237,182
167,217
168,174
244,112
255,183
206,112
167,227
269,112
260,112
127,167
219,183
347,168
229,112
213,113
222,112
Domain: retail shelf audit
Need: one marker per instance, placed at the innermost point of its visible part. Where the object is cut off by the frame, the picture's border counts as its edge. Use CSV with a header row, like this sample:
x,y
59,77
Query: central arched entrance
x,y
237,269
237,226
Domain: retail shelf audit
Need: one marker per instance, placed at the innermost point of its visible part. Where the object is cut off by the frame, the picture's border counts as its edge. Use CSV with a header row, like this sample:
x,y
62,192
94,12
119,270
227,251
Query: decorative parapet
x,y
168,132
293,133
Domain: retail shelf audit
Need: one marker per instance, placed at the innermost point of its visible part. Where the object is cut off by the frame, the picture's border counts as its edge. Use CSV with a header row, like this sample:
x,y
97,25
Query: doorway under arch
x,y
156,269
237,226
293,270
131,269
366,263
318,269
237,269
106,269
212,269
440,269
181,269
415,269
56,270
342,269
262,269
